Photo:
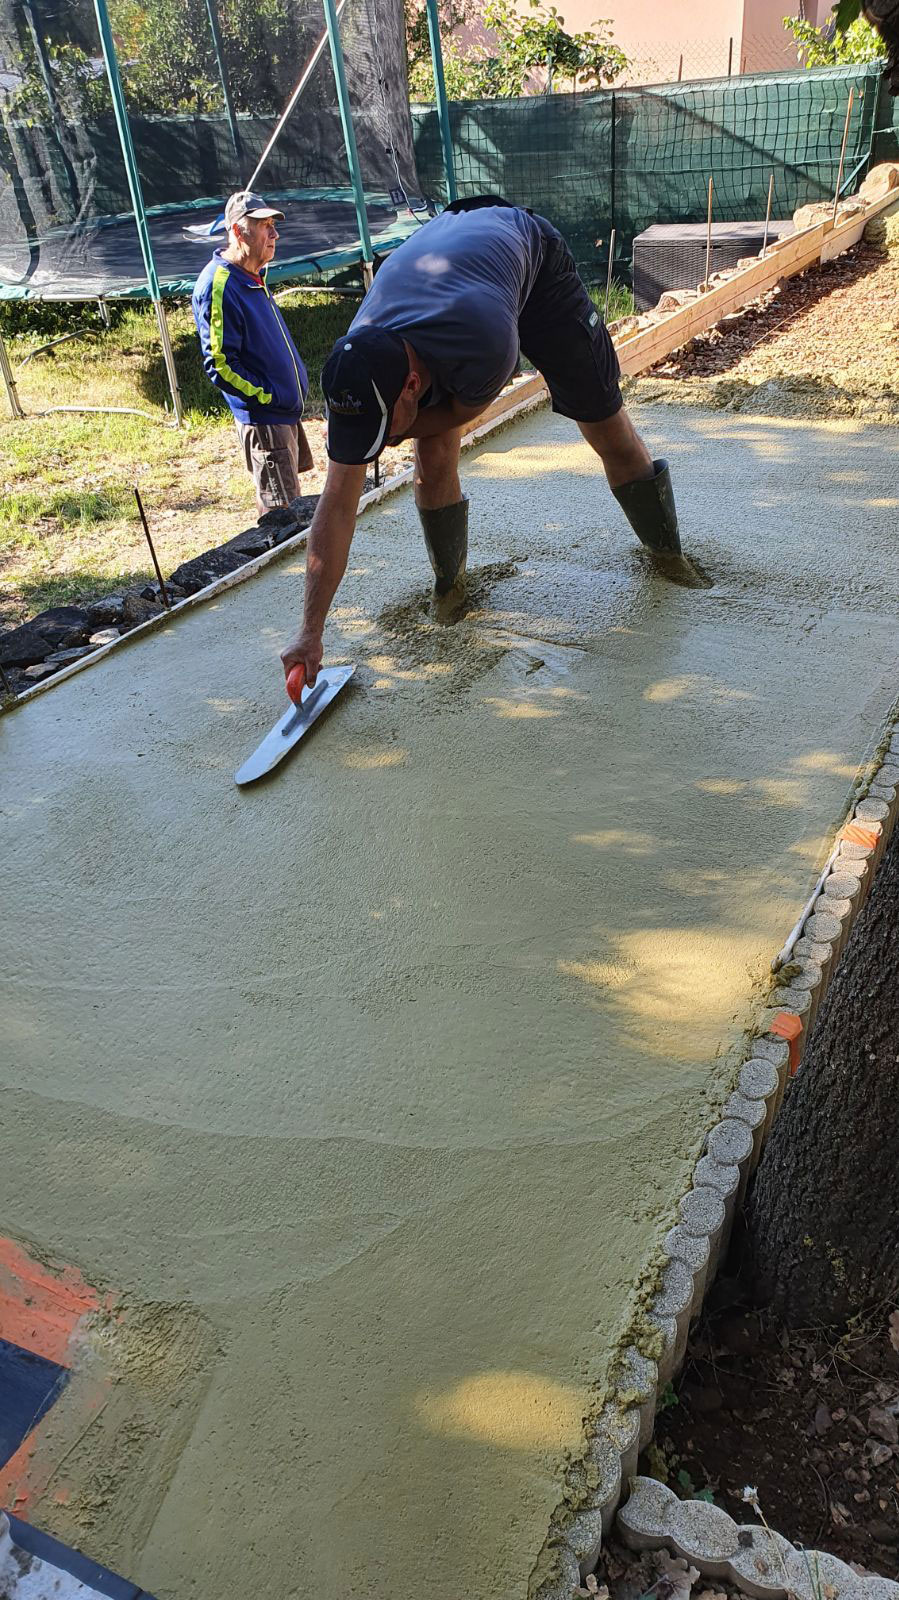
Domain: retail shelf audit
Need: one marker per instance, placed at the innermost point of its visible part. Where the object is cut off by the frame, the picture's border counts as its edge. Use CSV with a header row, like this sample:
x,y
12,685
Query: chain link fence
x,y
723,56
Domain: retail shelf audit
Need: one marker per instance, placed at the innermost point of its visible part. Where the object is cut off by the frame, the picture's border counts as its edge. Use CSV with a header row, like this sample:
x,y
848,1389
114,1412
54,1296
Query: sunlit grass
x,y
68,520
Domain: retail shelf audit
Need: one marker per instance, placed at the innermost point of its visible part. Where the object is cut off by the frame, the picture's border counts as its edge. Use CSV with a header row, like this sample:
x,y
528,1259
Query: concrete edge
x,y
762,1564
515,404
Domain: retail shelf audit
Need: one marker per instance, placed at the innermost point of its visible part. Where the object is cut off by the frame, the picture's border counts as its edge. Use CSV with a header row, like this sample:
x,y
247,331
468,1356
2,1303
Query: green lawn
x,y
68,522
69,528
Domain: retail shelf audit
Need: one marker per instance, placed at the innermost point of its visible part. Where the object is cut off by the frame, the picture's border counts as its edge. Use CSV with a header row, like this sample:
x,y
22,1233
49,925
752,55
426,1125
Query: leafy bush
x,y
831,46
511,48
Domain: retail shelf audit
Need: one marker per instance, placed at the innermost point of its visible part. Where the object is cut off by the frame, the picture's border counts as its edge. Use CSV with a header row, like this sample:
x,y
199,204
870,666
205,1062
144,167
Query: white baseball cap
x,y
245,203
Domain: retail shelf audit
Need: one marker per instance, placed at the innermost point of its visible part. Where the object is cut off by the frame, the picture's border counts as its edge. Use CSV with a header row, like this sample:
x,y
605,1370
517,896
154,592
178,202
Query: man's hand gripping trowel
x,y
306,707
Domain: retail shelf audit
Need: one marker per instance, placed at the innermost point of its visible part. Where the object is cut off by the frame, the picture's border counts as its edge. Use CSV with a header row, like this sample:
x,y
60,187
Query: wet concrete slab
x,y
373,1088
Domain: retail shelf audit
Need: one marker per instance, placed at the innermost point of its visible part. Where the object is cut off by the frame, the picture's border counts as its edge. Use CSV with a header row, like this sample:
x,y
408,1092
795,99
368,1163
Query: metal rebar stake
x,y
162,588
12,392
708,237
836,197
605,309
768,212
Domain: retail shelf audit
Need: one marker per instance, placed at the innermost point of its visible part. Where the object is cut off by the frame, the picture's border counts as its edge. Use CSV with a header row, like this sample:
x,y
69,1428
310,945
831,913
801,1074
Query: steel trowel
x,y
306,707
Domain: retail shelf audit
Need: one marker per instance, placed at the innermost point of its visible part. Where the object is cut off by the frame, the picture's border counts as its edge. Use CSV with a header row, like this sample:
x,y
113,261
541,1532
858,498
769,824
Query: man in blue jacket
x,y
249,354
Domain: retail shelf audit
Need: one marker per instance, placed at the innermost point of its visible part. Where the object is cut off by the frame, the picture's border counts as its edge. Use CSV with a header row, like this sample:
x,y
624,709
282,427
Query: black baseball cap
x,y
361,382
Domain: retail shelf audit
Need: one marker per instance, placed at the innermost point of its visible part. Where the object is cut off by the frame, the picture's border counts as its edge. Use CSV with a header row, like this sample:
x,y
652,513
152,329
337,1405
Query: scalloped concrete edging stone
x,y
760,1562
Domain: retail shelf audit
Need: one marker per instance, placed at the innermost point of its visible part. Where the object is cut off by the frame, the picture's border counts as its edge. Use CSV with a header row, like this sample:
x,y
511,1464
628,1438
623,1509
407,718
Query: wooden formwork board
x,y
799,251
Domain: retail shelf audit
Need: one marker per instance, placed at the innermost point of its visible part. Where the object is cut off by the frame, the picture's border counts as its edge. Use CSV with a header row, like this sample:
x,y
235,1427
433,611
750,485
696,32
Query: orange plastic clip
x,y
857,833
788,1026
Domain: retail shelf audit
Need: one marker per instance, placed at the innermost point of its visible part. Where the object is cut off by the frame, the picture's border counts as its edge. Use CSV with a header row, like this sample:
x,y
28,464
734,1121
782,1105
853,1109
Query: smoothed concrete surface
x,y
388,1072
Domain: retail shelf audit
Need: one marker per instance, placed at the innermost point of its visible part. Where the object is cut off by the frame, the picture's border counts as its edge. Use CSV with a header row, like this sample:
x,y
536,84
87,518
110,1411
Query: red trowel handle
x,y
296,679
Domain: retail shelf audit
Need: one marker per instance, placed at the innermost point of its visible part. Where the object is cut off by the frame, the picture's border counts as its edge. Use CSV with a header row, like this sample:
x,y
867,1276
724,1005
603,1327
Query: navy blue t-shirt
x,y
455,290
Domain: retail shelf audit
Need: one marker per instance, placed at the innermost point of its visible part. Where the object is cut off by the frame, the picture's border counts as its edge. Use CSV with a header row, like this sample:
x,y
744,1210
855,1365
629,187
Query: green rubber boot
x,y
649,507
446,541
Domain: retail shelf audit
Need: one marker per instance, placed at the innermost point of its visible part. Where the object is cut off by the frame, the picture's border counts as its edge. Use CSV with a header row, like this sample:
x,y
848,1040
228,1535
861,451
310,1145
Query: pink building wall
x,y
695,37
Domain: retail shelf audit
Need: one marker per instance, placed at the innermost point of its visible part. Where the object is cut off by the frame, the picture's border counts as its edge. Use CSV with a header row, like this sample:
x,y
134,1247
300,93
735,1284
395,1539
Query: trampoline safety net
x,y
205,83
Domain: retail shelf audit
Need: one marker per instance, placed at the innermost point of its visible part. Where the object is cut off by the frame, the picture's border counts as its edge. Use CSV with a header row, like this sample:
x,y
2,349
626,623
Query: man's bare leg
x,y
622,452
305,459
642,488
443,510
437,470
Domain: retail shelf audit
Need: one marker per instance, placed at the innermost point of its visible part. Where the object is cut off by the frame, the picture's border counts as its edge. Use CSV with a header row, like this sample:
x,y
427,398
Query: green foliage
x,y
516,45
166,61
45,319
453,14
833,46
80,91
667,1398
685,1482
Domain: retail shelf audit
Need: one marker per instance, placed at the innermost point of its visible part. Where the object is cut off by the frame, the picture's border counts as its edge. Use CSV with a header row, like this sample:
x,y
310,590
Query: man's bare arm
x,y
327,551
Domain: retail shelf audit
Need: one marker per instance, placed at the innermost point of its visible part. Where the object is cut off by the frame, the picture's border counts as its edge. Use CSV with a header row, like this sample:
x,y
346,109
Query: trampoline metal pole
x,y
349,136
442,105
168,356
11,391
137,199
215,30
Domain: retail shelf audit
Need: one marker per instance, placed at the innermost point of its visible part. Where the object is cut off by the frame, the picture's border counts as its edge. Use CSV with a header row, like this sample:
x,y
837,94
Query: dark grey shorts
x,y
563,335
275,454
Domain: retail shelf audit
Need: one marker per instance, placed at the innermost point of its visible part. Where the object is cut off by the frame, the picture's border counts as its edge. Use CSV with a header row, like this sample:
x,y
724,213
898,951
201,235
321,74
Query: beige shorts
x,y
276,454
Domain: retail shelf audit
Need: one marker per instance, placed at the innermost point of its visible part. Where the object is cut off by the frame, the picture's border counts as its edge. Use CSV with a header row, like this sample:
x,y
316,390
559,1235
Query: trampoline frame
x,y
365,252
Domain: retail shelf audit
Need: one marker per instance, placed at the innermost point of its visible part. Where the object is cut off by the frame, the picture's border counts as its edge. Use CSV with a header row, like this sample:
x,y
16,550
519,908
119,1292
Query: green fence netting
x,y
626,158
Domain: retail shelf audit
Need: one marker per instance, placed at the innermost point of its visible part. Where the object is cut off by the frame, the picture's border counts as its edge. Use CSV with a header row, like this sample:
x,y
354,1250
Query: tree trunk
x,y
823,1213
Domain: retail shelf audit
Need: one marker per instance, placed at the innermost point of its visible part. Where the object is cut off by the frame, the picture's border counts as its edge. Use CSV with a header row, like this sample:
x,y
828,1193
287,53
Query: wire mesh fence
x,y
626,158
719,56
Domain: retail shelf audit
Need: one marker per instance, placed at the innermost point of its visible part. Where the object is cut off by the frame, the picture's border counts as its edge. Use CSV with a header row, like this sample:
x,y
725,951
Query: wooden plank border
x,y
822,242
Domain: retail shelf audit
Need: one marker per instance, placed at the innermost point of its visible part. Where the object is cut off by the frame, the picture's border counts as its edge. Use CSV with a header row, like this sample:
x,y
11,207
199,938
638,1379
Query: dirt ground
x,y
808,1419
825,343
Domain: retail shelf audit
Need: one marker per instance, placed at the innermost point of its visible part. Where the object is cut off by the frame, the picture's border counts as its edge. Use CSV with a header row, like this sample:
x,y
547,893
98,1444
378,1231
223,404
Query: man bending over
x,y
434,341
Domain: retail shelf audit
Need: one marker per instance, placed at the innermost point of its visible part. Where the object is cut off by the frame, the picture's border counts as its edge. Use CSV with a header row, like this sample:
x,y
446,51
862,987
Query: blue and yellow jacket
x,y
247,350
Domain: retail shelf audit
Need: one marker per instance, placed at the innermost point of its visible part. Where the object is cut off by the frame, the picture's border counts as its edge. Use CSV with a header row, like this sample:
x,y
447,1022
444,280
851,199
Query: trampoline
x,y
320,233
